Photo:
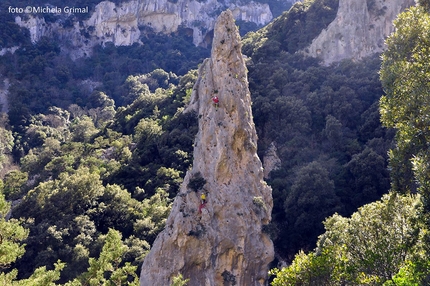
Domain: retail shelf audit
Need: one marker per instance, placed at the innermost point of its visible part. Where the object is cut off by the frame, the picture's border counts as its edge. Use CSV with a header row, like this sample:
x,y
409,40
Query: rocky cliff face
x,y
359,29
120,24
271,160
224,243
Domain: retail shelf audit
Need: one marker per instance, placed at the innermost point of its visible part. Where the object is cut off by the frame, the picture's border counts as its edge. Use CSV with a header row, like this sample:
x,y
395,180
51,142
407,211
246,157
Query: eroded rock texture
x,y
121,23
358,30
224,244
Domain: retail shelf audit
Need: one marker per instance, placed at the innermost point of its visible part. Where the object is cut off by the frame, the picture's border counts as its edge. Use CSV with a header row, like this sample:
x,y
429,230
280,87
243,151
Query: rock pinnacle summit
x,y
217,238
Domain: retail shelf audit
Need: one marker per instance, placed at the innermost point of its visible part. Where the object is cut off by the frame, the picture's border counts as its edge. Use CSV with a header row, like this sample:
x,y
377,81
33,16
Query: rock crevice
x,y
221,243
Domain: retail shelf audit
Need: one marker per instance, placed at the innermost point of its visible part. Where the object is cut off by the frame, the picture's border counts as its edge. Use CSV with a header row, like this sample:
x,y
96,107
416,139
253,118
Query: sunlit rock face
x,y
358,30
121,24
223,244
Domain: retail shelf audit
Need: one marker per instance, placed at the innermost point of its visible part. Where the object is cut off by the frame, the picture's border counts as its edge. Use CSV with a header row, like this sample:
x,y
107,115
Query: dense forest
x,y
385,242
93,151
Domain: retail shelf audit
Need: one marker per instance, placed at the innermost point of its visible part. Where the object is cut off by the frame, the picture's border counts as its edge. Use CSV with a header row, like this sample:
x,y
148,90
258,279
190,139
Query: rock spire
x,y
224,242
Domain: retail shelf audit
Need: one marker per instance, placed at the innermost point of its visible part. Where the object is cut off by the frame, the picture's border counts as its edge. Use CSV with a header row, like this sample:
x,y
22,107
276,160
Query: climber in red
x,y
215,101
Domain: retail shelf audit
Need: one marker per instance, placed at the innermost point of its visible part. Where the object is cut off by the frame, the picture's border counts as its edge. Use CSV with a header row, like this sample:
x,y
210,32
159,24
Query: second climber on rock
x,y
203,198
203,202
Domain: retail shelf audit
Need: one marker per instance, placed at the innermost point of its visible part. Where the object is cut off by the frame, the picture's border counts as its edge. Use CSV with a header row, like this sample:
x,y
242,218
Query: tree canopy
x,y
378,242
405,75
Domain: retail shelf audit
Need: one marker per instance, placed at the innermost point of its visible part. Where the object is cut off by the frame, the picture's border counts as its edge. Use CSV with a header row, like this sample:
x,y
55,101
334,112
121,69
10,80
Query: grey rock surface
x,y
359,30
224,243
120,24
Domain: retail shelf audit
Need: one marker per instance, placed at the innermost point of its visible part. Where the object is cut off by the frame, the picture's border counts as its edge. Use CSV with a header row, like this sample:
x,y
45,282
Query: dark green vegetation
x,y
386,242
89,164
43,77
381,244
96,167
293,30
331,144
92,169
332,148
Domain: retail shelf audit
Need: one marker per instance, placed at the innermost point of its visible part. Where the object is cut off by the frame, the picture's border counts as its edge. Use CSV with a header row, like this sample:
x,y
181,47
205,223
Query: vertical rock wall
x,y
359,30
120,23
224,244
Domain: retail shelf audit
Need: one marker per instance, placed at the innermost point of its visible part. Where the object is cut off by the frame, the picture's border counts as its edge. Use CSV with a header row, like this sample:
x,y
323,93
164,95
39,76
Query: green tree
x,y
83,129
405,75
147,129
333,131
366,176
11,235
14,183
312,198
179,280
107,269
155,212
369,248
425,4
6,145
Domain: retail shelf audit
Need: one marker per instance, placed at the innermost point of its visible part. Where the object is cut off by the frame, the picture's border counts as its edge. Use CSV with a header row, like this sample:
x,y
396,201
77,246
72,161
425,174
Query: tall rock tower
x,y
221,242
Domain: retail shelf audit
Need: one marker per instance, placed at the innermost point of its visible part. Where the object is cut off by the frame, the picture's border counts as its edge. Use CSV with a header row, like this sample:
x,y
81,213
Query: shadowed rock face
x,y
358,30
224,244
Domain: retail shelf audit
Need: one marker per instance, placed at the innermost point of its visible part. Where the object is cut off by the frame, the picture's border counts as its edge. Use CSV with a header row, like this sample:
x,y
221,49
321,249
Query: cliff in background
x,y
121,24
224,243
359,30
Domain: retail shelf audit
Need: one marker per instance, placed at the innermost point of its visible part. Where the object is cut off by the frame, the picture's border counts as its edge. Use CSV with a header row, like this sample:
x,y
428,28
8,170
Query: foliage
x,y
11,236
72,211
259,202
311,199
179,280
293,30
405,74
425,4
196,182
14,183
10,33
329,116
106,269
411,274
6,145
377,243
91,172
